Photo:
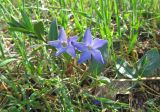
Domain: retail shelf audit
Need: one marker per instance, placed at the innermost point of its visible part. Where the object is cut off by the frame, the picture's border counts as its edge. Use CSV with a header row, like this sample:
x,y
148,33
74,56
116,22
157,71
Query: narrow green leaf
x,y
83,14
103,80
77,23
2,56
5,62
53,33
19,29
26,21
15,23
132,42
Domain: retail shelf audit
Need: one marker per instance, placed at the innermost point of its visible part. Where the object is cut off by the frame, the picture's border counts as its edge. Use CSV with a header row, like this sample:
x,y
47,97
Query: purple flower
x,y
63,44
96,102
90,48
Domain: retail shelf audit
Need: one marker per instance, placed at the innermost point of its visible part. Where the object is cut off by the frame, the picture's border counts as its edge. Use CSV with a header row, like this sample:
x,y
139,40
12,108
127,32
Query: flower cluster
x,y
89,48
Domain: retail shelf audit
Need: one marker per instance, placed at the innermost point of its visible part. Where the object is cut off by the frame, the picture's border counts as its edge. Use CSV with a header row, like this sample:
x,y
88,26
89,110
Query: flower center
x,y
64,44
89,47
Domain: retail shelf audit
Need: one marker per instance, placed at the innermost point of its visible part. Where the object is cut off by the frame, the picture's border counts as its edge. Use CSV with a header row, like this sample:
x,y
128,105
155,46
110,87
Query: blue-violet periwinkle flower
x,y
90,48
63,44
96,102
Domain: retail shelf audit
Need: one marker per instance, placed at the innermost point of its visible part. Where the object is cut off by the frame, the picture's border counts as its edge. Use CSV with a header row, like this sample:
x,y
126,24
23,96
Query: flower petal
x,y
96,102
62,35
97,43
88,37
80,46
55,43
97,55
71,51
85,56
72,39
60,51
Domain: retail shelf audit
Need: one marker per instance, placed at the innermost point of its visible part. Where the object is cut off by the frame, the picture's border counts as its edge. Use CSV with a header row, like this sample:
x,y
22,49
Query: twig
x,y
135,79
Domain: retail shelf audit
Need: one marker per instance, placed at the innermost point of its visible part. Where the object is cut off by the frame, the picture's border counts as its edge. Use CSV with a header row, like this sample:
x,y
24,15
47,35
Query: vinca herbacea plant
x,y
89,48
85,73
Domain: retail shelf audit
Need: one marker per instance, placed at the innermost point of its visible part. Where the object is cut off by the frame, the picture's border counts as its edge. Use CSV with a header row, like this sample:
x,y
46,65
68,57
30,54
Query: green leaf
x,y
26,21
15,23
123,67
103,80
98,12
39,29
149,63
25,26
132,43
77,23
5,62
19,29
111,103
83,14
53,33
14,109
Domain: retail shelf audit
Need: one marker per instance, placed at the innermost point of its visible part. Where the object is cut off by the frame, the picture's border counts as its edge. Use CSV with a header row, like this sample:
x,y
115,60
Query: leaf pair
x,y
146,66
35,30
